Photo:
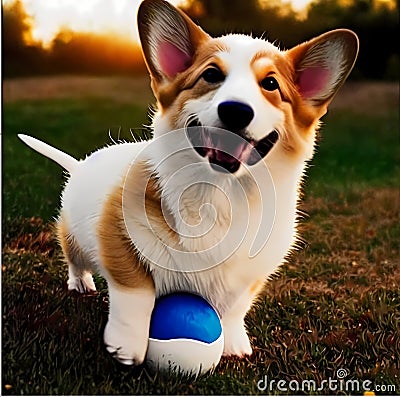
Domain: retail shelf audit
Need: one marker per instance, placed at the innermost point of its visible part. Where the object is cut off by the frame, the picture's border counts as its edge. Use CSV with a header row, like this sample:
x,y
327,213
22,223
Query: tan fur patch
x,y
118,254
256,287
266,64
141,185
157,216
300,118
186,84
71,249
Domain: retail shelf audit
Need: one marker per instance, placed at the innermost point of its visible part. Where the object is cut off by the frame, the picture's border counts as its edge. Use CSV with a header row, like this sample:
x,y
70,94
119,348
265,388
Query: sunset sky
x,y
114,16
98,16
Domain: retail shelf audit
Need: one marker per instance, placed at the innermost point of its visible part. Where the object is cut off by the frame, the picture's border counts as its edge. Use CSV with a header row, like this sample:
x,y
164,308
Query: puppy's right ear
x,y
169,38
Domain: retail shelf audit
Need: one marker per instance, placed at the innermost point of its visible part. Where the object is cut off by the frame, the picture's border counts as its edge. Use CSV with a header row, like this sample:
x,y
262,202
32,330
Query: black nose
x,y
235,115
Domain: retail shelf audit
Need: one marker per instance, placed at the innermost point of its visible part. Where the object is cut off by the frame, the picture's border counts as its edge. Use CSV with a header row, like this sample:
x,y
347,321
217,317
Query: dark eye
x,y
213,75
269,84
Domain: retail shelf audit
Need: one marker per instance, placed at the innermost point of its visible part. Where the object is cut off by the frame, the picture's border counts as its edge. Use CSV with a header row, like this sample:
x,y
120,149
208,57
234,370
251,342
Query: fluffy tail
x,y
65,160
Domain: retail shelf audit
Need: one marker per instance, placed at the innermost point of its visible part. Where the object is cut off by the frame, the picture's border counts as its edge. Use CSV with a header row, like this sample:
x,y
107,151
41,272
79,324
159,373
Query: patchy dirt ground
x,y
334,306
368,97
124,89
361,97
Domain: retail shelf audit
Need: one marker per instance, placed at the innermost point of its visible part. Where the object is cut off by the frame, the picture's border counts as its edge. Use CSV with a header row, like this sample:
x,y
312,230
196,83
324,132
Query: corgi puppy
x,y
208,205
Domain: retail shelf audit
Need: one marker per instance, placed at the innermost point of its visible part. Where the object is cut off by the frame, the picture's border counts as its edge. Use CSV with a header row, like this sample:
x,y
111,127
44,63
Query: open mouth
x,y
226,150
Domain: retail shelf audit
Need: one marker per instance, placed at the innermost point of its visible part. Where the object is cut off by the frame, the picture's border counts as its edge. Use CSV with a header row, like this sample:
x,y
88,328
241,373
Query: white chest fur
x,y
227,232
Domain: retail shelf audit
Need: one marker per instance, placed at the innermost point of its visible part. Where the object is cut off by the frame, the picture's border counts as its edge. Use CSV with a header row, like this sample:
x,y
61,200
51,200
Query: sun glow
x,y
116,17
95,16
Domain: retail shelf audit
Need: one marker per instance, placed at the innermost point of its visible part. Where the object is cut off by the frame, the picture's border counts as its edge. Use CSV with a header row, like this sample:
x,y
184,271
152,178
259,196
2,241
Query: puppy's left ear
x,y
169,38
322,65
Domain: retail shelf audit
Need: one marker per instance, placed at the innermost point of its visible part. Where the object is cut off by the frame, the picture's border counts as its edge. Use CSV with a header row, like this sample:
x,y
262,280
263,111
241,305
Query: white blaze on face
x,y
240,85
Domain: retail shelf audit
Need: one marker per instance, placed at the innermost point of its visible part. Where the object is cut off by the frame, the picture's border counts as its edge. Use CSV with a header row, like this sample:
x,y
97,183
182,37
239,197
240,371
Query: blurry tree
x,y
70,52
16,24
376,27
261,19
20,55
73,52
375,23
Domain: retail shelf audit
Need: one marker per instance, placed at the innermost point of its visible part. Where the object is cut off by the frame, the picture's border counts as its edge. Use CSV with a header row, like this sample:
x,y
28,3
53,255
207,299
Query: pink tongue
x,y
229,151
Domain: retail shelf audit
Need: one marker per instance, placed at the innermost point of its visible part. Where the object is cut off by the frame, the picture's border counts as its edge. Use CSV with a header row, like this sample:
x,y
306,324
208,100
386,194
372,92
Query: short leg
x,y
127,332
79,269
236,341
130,284
80,281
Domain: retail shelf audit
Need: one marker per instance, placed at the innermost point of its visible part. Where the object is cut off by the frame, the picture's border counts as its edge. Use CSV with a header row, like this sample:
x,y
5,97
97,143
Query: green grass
x,y
356,152
336,304
32,183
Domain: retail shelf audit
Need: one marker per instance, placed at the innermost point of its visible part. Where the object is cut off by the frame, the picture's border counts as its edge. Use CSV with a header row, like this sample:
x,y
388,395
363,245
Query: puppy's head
x,y
240,99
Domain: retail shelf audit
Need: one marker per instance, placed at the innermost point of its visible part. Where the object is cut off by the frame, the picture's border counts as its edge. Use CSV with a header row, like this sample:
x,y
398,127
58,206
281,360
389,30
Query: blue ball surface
x,y
184,316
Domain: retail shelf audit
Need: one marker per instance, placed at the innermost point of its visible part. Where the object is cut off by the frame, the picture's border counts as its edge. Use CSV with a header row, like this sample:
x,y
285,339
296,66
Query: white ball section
x,y
185,335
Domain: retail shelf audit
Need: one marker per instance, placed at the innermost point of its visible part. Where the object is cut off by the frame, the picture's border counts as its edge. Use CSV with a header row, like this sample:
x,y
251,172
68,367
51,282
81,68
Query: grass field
x,y
334,305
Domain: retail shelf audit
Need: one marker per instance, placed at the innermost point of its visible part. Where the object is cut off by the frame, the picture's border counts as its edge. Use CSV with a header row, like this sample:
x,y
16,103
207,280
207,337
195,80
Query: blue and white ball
x,y
185,335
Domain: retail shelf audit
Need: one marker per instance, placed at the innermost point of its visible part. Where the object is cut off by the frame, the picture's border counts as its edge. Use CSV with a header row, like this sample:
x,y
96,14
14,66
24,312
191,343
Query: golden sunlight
x,y
299,5
95,16
103,16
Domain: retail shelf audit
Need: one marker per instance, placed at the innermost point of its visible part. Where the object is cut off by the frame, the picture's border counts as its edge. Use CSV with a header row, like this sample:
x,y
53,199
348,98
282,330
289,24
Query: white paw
x,y
126,343
82,284
236,341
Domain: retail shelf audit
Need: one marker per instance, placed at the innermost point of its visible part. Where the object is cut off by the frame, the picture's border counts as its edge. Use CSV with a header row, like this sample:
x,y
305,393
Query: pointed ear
x,y
169,38
323,64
